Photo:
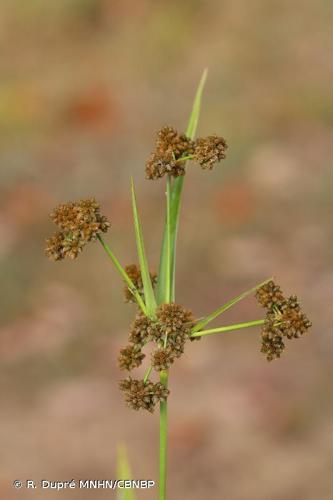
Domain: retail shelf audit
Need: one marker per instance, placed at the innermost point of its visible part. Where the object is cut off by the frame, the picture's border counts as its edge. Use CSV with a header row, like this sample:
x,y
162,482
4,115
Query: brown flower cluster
x,y
80,222
209,150
140,394
168,332
134,273
284,319
130,357
175,327
171,147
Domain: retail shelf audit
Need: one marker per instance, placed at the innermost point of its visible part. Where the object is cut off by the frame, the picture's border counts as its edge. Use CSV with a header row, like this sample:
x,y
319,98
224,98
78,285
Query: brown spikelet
x,y
143,329
270,295
130,357
168,139
294,322
272,345
209,150
80,222
141,395
162,359
284,319
175,327
166,159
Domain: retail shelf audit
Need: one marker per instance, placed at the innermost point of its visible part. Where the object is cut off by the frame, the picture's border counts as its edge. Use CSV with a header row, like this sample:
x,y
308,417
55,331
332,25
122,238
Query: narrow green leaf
x,y
123,473
163,440
199,326
175,198
168,249
147,284
123,274
229,328
195,114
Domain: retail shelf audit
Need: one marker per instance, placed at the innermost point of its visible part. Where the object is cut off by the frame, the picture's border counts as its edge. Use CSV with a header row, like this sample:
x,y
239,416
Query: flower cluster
x,y
284,319
169,332
209,151
173,149
134,273
80,222
130,357
140,394
175,328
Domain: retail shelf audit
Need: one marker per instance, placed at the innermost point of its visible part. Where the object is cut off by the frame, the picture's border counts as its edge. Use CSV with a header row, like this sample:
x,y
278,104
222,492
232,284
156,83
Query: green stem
x,y
175,198
148,372
184,158
168,281
199,326
229,328
123,274
163,439
167,271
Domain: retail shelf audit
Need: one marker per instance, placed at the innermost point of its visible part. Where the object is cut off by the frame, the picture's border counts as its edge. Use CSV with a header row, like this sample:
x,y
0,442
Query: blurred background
x,y
85,84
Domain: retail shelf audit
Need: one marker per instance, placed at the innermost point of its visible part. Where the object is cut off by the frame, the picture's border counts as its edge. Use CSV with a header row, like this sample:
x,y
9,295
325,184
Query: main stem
x,y
163,439
167,271
169,295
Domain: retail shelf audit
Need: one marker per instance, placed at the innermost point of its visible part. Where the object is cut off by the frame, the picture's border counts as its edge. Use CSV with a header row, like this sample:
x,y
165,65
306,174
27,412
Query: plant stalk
x,y
229,328
163,439
167,272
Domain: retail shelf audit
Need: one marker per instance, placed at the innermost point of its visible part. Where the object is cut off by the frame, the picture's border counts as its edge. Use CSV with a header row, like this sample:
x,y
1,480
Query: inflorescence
x,y
284,319
171,325
80,222
140,394
173,149
168,332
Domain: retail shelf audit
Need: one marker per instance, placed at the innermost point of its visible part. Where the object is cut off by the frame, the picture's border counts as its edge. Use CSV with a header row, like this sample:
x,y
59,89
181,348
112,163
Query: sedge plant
x,y
159,319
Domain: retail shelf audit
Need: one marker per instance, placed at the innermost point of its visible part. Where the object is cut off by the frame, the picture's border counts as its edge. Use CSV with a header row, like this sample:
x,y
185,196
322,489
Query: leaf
x,y
123,472
199,326
123,274
146,280
168,246
195,113
174,200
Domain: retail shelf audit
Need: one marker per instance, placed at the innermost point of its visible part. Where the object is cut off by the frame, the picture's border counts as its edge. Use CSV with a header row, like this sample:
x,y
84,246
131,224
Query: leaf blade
x,y
123,473
196,108
175,199
146,280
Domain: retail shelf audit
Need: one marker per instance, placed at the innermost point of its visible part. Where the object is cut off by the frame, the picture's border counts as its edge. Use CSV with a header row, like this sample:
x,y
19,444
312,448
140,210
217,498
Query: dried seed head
x,y
160,164
63,244
142,330
54,249
283,319
130,357
209,150
168,139
134,274
80,222
141,395
175,326
270,295
175,317
294,322
81,216
271,344
162,359
170,147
